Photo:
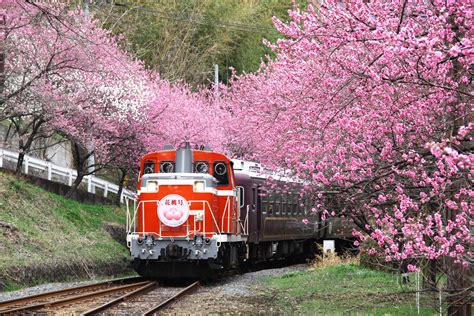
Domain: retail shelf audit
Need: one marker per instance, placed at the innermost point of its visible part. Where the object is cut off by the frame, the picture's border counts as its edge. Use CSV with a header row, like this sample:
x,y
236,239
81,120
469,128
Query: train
x,y
199,213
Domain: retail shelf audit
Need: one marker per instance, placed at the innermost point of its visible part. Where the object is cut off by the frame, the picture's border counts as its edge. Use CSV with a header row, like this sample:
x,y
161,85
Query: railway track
x,y
120,296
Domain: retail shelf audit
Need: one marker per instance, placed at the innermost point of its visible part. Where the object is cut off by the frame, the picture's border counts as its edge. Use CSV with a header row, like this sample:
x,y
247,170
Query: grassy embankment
x,y
45,237
345,288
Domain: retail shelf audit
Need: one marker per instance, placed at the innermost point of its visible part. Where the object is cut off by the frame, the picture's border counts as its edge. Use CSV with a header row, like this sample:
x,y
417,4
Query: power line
x,y
202,21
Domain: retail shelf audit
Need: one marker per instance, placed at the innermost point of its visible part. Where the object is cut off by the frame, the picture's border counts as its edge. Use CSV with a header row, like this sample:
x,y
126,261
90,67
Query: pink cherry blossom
x,y
366,102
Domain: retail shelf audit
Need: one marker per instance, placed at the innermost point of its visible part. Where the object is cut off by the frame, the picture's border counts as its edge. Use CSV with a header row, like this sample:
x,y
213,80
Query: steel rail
x,y
74,298
26,299
142,290
156,308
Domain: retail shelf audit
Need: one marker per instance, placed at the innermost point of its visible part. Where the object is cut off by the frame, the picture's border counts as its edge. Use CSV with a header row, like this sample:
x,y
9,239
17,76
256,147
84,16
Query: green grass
x,y
11,286
53,230
344,289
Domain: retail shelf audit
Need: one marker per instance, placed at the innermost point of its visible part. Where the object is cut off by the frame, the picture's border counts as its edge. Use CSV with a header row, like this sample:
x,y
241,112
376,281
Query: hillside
x,y
182,40
45,237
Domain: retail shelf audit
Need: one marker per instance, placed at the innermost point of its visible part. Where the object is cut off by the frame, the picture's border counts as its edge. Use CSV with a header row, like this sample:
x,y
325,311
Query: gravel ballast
x,y
240,294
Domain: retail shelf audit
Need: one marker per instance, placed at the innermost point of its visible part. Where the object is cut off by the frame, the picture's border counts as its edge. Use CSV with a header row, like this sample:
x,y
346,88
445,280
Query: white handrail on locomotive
x,y
131,220
226,208
245,225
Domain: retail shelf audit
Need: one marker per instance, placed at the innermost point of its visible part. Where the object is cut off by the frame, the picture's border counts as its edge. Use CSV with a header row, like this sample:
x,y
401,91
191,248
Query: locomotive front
x,y
187,210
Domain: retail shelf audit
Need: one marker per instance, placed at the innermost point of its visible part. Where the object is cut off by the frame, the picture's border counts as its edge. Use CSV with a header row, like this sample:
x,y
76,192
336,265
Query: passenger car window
x,y
277,203
294,204
264,199
306,205
270,201
301,206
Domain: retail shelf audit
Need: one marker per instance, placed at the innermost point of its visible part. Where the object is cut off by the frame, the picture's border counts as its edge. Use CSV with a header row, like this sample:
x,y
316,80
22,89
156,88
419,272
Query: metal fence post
x,y
69,182
106,188
25,162
1,157
49,171
89,183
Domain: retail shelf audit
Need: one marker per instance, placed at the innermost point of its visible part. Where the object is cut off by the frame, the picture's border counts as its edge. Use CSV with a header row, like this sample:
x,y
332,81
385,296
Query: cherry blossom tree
x,y
370,101
63,73
178,115
105,111
34,47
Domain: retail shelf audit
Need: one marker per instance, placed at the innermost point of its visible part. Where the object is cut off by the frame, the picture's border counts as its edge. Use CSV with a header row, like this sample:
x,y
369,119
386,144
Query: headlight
x,y
198,241
149,240
199,186
152,186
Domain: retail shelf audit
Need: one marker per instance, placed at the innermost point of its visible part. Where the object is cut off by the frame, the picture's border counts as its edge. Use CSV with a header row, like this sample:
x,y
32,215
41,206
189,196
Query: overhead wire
x,y
201,21
176,16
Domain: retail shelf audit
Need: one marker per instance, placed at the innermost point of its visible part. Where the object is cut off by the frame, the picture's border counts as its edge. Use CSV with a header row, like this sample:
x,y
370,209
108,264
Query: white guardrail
x,y
70,174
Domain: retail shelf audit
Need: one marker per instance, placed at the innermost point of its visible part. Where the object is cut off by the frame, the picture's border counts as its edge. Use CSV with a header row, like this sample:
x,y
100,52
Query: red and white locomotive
x,y
199,212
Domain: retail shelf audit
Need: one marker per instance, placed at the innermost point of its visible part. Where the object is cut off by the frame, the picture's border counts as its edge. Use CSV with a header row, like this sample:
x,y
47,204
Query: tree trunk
x,y
24,147
121,185
79,159
19,163
75,185
459,289
459,286
429,275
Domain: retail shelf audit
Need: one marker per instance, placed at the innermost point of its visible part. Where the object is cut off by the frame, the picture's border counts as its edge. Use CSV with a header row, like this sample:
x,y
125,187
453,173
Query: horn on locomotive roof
x,y
184,159
168,147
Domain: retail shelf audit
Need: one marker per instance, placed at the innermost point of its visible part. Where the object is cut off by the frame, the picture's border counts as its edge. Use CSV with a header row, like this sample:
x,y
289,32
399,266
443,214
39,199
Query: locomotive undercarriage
x,y
281,250
151,248
180,258
174,261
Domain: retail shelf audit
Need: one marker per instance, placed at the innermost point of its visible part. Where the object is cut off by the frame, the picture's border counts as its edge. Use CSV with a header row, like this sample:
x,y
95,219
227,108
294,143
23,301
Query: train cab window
x,y
167,166
149,167
221,173
201,167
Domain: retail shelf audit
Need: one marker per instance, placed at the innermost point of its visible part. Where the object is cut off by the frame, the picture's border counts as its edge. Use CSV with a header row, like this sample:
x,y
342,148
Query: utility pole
x,y
90,145
216,80
3,48
85,7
